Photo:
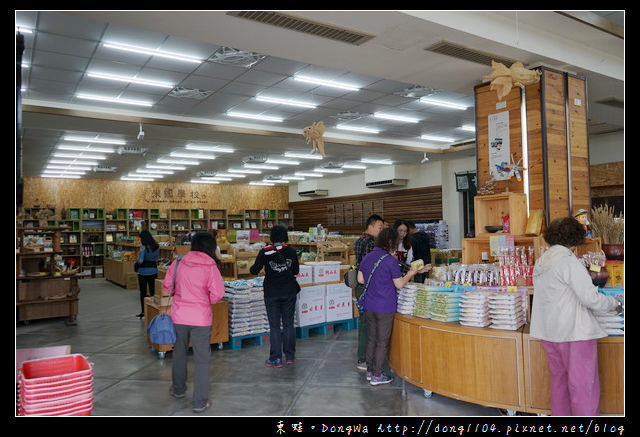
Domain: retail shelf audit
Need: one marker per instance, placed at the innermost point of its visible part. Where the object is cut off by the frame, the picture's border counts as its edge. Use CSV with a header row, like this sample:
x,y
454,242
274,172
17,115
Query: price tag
x,y
595,268
512,288
447,284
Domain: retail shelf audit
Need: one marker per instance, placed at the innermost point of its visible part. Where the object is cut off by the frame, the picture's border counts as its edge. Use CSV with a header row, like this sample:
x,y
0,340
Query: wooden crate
x,y
489,211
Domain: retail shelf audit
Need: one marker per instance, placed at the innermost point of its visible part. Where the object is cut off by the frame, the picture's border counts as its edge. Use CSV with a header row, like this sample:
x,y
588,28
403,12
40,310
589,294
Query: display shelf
x,y
489,211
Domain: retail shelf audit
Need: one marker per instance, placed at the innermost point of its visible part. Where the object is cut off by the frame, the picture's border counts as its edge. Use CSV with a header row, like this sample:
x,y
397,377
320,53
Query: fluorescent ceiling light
x,y
434,138
329,83
254,116
443,104
243,170
357,129
282,161
276,181
64,172
231,175
261,183
152,176
177,161
23,29
77,156
67,167
192,155
220,149
23,65
311,175
167,167
63,176
84,148
396,117
141,178
294,178
328,170
113,100
354,166
151,52
141,170
199,181
95,140
130,80
376,161
468,128
215,178
72,161
285,102
301,155
261,166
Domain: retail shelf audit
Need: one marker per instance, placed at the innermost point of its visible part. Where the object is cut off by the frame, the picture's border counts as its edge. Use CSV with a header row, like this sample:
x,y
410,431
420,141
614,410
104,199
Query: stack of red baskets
x,y
56,386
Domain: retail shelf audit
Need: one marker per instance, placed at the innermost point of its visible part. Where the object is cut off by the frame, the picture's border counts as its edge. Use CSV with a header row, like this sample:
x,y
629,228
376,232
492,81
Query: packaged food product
x,y
417,264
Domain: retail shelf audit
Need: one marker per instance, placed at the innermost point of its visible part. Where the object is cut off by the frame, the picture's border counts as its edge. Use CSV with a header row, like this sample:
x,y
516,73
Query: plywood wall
x,y
111,194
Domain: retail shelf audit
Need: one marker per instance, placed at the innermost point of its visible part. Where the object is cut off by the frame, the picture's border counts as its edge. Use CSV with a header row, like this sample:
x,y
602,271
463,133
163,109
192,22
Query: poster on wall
x,y
499,148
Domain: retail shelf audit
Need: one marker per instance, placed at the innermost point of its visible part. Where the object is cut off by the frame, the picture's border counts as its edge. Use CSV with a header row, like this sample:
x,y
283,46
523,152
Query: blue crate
x,y
259,339
327,327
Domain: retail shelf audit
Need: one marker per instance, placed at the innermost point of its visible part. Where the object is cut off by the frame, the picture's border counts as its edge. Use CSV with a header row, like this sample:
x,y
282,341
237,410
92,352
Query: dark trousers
x,y
362,329
281,310
199,337
379,335
144,282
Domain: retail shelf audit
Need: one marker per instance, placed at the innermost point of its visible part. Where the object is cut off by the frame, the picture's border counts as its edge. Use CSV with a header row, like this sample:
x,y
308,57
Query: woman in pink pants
x,y
561,316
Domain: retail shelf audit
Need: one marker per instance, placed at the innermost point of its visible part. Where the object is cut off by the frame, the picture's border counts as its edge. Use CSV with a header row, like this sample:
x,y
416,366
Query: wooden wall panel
x,y
578,139
411,204
554,133
535,167
486,101
110,194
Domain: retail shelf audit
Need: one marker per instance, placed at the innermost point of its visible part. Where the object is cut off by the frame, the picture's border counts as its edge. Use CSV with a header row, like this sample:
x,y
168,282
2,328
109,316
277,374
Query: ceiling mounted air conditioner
x,y
387,176
313,193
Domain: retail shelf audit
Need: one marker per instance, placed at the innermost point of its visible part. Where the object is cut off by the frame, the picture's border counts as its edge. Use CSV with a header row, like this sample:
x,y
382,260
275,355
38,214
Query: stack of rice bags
x,y
474,309
612,323
444,306
508,310
421,302
247,313
407,298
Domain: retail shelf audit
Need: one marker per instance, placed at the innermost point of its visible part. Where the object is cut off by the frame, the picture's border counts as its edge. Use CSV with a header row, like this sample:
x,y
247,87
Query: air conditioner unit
x,y
387,176
311,188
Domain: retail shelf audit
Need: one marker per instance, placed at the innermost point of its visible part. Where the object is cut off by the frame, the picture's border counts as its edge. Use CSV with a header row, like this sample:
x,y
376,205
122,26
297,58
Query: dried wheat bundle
x,y
605,225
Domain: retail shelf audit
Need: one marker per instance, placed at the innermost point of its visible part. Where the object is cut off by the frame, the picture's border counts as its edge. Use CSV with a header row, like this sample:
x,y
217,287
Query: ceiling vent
x,y
304,25
416,91
467,54
332,165
127,150
103,169
235,57
255,159
206,174
612,101
349,115
187,93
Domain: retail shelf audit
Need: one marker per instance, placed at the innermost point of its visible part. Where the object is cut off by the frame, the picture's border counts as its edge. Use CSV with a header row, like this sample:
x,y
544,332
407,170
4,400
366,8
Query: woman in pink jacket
x,y
198,285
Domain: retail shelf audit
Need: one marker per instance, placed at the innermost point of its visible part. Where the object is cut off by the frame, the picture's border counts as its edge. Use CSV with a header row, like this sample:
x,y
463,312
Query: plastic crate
x,y
53,370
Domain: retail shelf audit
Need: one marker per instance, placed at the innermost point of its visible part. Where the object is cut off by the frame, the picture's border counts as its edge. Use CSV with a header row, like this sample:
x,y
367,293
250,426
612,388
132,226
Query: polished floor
x,y
130,379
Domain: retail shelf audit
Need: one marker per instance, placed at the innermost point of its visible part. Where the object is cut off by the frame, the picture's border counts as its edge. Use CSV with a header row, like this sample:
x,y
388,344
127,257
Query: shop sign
x,y
175,196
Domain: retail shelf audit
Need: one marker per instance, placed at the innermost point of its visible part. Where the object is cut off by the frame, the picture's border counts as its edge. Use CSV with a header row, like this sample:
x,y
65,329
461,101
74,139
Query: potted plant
x,y
610,229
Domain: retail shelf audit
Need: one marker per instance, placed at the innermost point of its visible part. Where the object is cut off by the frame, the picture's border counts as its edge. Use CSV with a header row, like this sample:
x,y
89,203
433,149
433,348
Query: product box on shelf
x,y
338,302
325,271
310,308
305,276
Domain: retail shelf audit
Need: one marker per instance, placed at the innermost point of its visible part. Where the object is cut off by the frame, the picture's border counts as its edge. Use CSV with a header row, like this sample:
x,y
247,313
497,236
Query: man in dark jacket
x,y
280,263
421,245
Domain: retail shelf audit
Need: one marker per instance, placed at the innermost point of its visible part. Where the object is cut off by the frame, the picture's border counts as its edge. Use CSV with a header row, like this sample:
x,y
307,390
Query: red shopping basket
x,y
60,408
54,369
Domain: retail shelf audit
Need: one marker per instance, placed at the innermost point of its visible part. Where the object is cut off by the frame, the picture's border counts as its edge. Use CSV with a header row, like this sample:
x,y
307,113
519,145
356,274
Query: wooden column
x,y
555,116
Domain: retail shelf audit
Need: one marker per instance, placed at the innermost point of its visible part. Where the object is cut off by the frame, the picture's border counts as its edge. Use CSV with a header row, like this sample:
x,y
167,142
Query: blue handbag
x,y
161,329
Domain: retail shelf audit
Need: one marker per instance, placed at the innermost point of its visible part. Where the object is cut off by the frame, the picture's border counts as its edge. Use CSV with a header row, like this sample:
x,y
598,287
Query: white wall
x,y
422,175
606,148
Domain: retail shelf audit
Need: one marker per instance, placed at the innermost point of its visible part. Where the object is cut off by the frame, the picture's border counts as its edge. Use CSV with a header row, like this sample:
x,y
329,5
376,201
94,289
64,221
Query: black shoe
x,y
140,316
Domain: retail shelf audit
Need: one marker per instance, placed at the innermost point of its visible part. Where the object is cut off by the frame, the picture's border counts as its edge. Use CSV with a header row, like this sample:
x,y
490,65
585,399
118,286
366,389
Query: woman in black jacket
x,y
281,288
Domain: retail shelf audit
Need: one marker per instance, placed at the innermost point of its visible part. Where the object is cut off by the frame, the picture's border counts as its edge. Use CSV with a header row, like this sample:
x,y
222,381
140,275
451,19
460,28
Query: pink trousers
x,y
575,385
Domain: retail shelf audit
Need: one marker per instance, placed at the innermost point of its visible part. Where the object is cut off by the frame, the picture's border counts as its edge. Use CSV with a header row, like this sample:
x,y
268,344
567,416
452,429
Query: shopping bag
x,y
161,330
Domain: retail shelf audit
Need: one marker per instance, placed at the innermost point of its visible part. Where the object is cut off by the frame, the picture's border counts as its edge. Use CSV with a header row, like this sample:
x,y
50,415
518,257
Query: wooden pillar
x,y
554,114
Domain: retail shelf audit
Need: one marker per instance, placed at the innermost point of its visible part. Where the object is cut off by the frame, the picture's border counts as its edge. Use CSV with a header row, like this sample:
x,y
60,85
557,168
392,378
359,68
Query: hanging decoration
x,y
503,78
314,134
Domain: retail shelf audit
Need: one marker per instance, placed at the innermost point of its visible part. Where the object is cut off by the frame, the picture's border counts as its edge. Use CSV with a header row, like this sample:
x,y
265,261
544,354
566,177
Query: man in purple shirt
x,y
381,271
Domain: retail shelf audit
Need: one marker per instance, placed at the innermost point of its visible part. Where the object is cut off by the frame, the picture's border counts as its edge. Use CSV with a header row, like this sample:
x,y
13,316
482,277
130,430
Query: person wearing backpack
x,y
280,263
147,267
198,285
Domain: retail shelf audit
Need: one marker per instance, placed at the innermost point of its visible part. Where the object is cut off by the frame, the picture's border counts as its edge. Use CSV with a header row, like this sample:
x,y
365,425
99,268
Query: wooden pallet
x,y
326,328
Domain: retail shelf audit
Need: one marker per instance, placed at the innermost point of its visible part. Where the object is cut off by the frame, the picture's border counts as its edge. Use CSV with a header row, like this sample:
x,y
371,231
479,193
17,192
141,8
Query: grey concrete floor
x,y
130,379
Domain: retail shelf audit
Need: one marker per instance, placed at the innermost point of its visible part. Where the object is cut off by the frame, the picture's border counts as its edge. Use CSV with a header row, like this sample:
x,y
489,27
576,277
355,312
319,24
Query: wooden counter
x,y
219,328
503,369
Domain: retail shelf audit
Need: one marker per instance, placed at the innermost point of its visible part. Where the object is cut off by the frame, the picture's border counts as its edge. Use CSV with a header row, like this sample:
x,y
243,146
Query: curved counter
x,y
502,369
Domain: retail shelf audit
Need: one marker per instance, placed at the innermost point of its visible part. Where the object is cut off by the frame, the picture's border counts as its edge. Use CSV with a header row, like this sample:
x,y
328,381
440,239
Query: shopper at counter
x,y
198,285
281,289
147,267
404,251
362,247
562,318
421,247
381,300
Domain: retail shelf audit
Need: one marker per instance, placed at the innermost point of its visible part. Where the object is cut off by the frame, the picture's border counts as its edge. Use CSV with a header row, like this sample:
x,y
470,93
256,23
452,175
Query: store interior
x,y
235,121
